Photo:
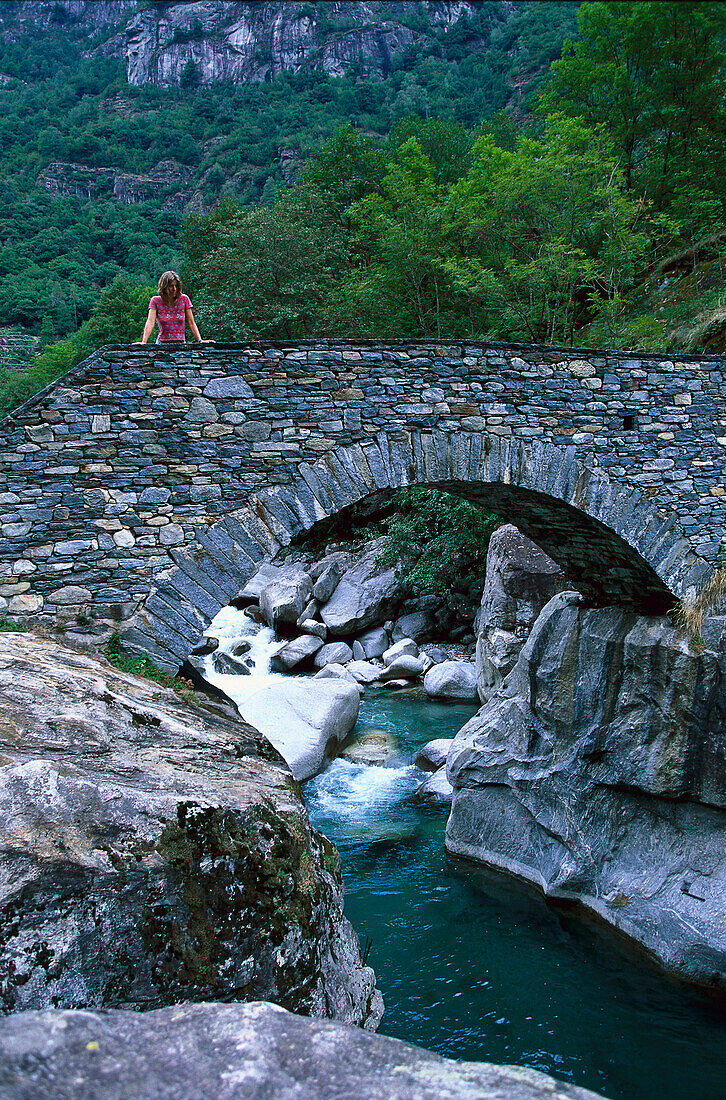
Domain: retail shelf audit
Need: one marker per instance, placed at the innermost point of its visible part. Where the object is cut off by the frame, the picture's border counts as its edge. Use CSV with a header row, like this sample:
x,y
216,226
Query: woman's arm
x,y
193,326
149,326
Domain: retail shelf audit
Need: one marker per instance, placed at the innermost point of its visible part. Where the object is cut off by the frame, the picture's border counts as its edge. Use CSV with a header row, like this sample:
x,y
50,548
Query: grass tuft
x,y
144,667
689,616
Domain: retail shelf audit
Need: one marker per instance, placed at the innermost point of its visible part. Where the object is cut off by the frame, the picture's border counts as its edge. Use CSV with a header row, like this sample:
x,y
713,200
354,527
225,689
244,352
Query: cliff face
x,y
242,42
596,771
168,180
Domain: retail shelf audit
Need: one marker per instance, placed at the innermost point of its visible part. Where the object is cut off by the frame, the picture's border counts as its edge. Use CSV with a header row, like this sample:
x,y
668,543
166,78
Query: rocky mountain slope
x,y
239,42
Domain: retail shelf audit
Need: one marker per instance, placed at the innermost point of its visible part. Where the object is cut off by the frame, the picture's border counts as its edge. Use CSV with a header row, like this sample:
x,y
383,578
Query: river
x,y
476,966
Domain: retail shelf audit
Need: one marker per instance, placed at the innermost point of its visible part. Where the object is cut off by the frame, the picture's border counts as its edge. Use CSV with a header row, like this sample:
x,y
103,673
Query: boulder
x,y
338,653
374,749
436,788
404,667
253,589
596,772
520,579
433,754
416,624
282,600
394,685
337,672
305,721
373,643
452,680
334,566
312,626
295,653
154,851
364,671
228,665
404,647
435,654
207,645
252,1051
309,612
365,595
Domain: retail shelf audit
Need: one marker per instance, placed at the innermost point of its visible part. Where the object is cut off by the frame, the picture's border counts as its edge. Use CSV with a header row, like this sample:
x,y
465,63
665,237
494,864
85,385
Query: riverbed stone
x,y
333,653
333,568
304,720
155,851
404,667
373,643
253,589
312,626
254,1051
340,672
596,772
295,653
436,788
364,671
282,600
452,680
418,625
364,596
374,748
403,647
432,755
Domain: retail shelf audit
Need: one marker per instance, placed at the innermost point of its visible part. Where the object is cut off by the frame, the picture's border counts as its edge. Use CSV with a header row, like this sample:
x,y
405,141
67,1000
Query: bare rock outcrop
x,y
520,579
597,772
155,851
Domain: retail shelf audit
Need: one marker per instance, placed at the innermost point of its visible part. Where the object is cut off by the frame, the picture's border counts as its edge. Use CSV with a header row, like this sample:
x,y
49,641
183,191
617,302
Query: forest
x,y
429,204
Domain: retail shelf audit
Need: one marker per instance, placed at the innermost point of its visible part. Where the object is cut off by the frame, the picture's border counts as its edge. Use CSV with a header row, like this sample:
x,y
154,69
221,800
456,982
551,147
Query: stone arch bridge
x,y
142,489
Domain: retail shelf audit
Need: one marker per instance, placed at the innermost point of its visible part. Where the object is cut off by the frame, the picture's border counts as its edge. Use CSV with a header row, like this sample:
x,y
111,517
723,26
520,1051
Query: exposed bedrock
x,y
239,1052
155,851
520,579
597,772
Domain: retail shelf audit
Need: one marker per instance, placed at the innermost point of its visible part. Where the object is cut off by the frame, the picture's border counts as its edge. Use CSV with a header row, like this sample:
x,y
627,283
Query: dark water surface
x,y
476,966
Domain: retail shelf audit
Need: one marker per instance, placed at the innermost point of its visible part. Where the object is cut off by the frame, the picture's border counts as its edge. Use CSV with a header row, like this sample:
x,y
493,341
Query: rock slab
x,y
253,1051
520,580
304,719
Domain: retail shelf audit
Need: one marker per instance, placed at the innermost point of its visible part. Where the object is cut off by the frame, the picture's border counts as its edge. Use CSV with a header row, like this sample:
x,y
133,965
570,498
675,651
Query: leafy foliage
x,y
67,103
438,538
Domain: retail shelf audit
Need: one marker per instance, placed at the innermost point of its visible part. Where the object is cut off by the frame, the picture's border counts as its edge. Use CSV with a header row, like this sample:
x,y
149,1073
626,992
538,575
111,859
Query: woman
x,y
170,309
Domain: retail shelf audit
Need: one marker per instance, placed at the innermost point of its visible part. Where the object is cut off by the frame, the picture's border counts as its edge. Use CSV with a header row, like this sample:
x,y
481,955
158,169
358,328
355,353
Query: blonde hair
x,y
166,286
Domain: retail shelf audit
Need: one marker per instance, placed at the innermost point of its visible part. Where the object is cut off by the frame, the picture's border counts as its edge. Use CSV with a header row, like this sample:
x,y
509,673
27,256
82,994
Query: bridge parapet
x,y
127,464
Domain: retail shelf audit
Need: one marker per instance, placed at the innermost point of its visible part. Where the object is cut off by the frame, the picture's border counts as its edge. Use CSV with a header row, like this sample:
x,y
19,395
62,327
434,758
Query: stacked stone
x,y
176,471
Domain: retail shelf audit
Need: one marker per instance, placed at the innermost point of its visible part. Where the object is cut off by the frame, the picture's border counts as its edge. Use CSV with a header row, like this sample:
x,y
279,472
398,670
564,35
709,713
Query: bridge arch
x,y
616,545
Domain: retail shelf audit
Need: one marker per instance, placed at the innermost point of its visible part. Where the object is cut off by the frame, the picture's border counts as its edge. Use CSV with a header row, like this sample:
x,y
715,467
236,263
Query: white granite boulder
x,y
452,680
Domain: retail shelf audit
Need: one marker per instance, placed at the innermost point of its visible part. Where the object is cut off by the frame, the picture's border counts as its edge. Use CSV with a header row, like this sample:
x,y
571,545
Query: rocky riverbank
x,y
595,768
337,624
155,851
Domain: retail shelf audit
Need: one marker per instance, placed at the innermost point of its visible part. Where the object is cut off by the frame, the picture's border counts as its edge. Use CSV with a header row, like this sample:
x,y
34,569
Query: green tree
x,y
544,227
265,272
438,538
653,74
400,286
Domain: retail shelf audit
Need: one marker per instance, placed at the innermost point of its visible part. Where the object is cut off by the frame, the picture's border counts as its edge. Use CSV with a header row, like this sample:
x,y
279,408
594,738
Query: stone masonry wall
x,y
132,458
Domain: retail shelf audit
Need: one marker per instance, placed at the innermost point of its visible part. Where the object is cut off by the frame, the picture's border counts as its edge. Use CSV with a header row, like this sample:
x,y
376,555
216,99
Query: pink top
x,y
170,319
